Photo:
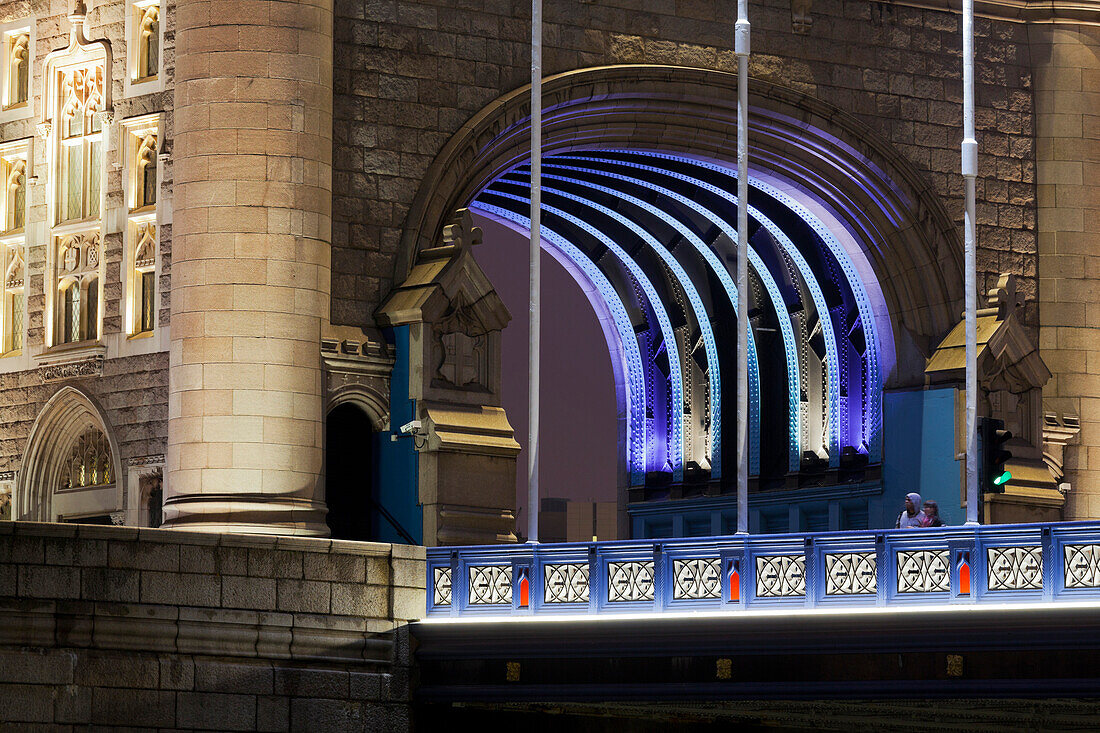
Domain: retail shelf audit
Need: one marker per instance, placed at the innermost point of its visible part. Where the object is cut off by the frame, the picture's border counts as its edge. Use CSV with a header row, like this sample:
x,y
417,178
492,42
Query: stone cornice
x,y
1020,11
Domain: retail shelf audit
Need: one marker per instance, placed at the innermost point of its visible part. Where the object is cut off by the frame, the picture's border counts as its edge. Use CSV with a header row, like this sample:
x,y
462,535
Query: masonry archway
x,y
855,272
71,467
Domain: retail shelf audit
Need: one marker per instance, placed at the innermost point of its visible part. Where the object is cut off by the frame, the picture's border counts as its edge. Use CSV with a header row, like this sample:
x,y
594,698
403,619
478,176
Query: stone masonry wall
x,y
133,390
409,73
154,629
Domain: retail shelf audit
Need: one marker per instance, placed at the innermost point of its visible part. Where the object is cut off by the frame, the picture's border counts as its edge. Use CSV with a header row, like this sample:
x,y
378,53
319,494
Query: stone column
x,y
1067,94
250,265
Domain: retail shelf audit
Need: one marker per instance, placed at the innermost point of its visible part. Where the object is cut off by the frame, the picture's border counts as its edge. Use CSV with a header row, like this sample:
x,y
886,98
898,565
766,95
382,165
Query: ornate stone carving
x,y
801,20
90,367
43,129
139,461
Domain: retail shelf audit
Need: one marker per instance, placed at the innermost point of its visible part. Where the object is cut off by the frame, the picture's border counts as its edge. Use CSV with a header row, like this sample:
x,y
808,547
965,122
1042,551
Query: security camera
x,y
411,428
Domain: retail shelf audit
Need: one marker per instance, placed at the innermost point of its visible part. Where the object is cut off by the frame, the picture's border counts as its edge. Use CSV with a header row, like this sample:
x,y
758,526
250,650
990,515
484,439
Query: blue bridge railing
x,y
956,565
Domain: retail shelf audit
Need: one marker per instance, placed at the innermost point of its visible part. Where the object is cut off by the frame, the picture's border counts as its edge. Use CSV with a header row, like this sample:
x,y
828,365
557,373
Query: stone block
x,y
7,580
313,683
37,666
72,704
358,599
177,673
274,563
408,603
27,549
119,585
272,714
217,560
334,566
327,715
136,708
144,556
76,552
39,581
216,711
27,703
187,589
215,675
303,596
247,592
365,686
113,669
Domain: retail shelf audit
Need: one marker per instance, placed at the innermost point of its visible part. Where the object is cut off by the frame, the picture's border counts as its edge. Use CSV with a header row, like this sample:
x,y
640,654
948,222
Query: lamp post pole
x,y
970,172
535,276
741,49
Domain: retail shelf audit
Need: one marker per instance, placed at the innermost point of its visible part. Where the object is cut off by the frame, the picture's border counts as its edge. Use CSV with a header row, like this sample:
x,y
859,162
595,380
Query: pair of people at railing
x,y
916,515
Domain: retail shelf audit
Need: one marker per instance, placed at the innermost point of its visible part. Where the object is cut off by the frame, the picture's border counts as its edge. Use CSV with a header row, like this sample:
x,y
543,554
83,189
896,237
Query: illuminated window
x,y
80,143
17,81
145,289
13,218
145,183
139,136
13,306
15,199
77,310
145,41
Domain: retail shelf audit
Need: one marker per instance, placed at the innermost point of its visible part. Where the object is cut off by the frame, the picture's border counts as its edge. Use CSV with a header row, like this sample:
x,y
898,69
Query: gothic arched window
x,y
80,143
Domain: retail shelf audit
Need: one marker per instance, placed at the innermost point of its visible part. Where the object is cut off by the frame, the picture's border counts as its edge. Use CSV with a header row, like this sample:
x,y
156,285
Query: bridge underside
x,y
765,671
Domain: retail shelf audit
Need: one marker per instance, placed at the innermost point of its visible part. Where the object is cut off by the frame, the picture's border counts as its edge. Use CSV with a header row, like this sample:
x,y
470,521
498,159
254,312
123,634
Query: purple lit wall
x,y
579,442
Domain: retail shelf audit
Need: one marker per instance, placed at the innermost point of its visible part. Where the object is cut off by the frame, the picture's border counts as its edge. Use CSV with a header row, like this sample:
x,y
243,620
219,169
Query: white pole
x,y
969,172
536,235
741,48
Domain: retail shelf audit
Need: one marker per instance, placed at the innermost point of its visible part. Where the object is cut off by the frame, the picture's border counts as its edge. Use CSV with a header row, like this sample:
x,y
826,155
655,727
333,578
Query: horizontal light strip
x,y
771,612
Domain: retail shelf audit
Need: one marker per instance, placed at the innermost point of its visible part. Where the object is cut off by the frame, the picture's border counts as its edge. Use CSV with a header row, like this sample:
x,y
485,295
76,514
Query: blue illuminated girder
x,y
872,415
950,569
701,316
790,346
728,287
636,426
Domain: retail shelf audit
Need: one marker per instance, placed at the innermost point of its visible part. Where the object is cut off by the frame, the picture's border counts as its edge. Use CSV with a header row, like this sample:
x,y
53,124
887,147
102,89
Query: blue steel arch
x,y
637,440
728,287
692,293
872,414
790,347
664,322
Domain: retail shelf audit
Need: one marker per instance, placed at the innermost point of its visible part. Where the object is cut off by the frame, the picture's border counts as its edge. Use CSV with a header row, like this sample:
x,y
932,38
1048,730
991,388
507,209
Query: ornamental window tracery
x,y
80,143
78,288
89,463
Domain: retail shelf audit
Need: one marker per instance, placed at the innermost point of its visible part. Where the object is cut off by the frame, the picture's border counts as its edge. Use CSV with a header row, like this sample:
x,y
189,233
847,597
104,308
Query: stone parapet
x,y
157,628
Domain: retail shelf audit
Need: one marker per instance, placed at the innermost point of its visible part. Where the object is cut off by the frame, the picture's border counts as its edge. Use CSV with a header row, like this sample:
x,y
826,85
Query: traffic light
x,y
993,454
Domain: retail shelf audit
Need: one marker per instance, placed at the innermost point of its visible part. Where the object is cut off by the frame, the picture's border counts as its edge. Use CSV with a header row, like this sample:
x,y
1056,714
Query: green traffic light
x,y
1002,479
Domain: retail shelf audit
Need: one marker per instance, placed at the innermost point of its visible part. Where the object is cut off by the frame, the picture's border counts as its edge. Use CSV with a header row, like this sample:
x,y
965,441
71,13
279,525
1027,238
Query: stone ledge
x,y
193,631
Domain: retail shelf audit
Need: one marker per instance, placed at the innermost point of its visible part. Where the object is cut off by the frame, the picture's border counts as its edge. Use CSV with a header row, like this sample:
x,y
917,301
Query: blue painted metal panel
x,y
396,468
956,566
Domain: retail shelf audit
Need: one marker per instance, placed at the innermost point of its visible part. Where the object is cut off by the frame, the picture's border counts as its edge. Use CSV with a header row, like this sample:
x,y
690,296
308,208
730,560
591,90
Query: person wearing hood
x,y
910,516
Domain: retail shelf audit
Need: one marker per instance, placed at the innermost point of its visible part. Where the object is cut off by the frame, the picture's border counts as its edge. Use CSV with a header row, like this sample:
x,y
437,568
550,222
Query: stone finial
x,y
1004,296
462,233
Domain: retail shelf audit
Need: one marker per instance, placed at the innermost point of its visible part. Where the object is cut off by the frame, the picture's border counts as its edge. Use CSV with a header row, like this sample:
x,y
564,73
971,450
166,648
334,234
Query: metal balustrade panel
x,y
958,565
